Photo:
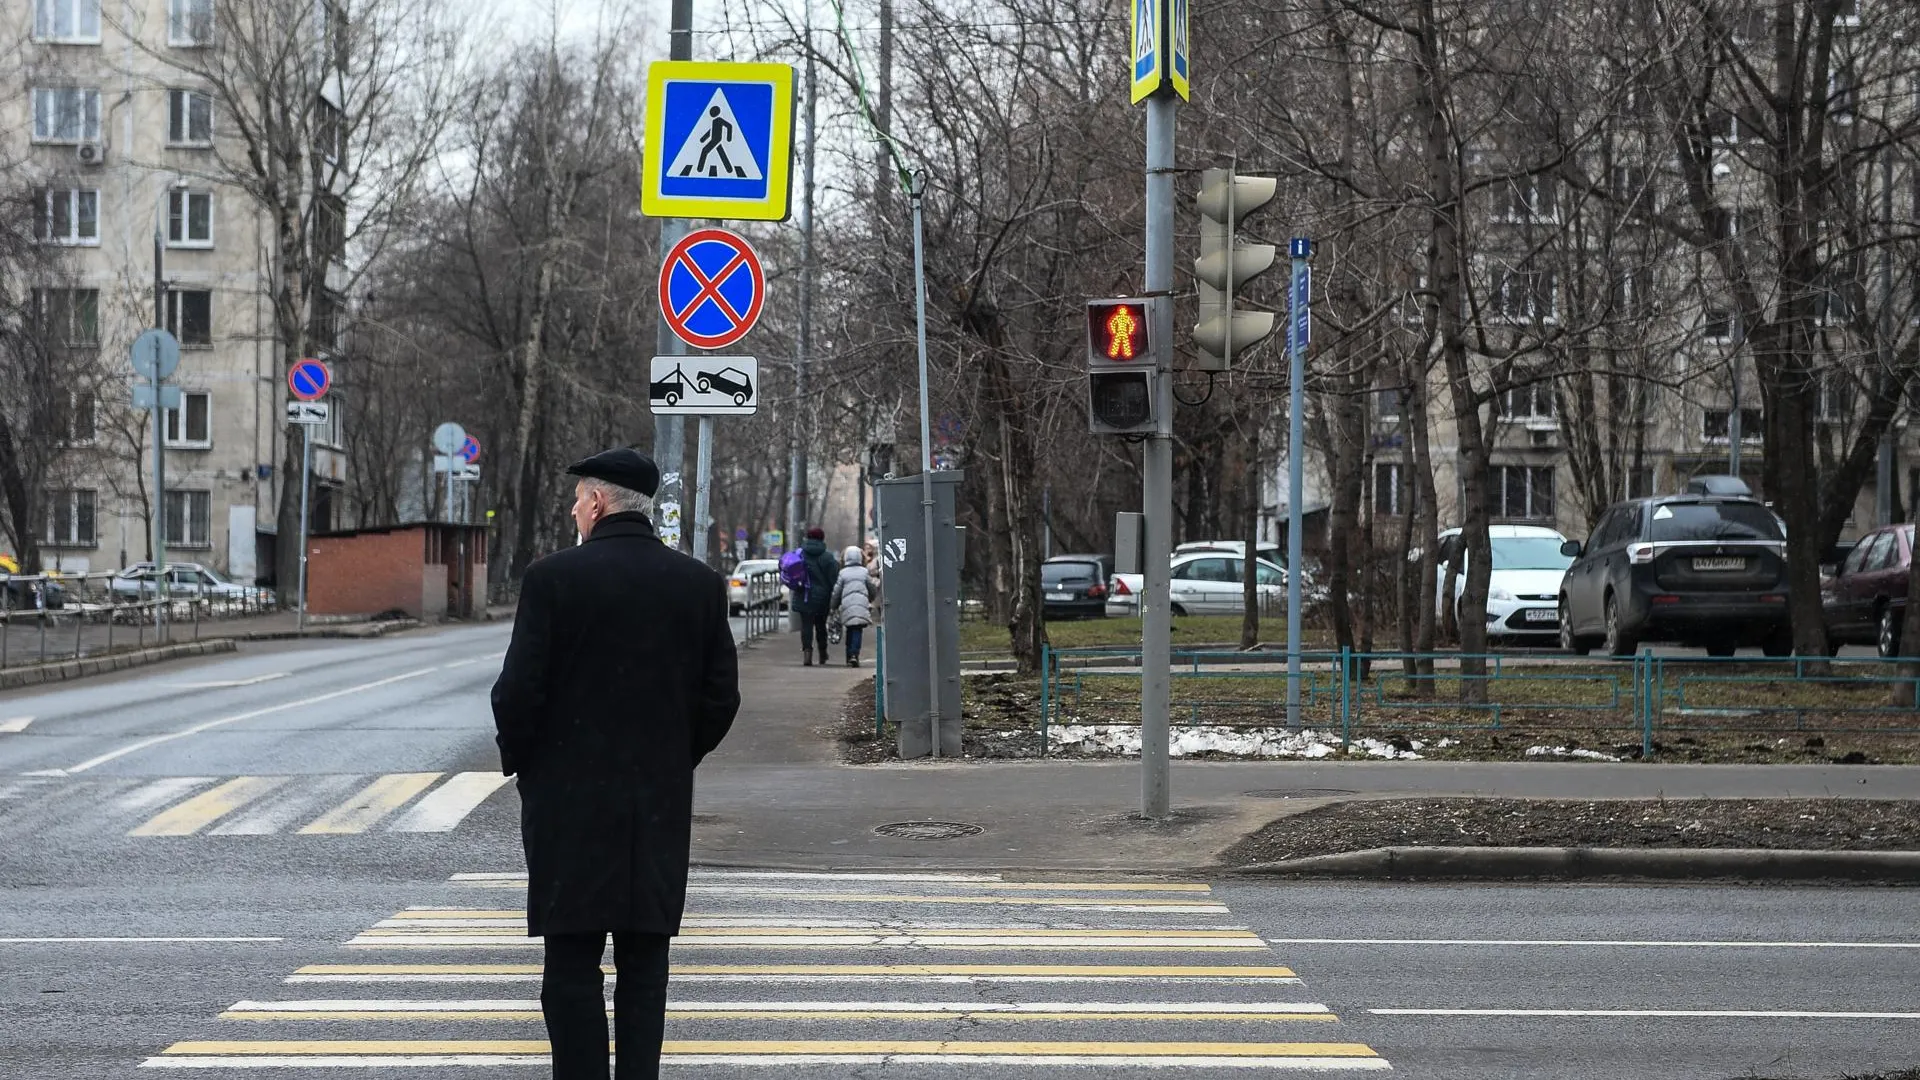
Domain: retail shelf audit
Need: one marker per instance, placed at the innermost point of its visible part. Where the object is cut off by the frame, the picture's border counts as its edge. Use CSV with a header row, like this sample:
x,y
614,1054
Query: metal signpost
x,y
1159,74
309,380
448,439
1299,334
155,355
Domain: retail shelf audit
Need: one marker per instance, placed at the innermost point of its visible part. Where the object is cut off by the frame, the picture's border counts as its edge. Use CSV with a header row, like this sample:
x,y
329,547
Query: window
x,y
189,516
1520,491
1725,127
1633,186
1205,570
329,130
1639,482
1390,403
197,407
323,327
329,229
1533,401
70,216
190,316
189,118
1728,223
68,21
189,22
69,519
1718,324
69,316
1714,425
1843,95
189,218
1523,295
1633,293
1848,13
1388,499
1714,521
66,114
329,433
1631,400
1832,397
71,422
1529,198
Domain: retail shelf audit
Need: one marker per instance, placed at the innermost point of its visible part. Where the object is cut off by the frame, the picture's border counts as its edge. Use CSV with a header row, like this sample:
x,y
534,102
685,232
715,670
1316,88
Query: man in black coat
x,y
621,677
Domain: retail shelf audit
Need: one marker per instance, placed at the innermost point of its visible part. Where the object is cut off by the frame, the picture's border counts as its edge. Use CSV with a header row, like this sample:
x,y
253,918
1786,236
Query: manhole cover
x,y
928,830
1297,793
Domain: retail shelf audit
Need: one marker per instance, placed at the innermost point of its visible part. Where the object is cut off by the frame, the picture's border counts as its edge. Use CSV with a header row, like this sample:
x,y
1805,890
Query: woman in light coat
x,y
853,599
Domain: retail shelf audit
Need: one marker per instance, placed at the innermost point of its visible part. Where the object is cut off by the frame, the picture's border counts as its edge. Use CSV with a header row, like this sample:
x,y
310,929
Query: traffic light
x,y
1120,366
1225,264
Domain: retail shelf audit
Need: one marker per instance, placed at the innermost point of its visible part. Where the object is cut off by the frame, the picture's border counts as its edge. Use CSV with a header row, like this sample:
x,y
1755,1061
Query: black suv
x,y
1708,568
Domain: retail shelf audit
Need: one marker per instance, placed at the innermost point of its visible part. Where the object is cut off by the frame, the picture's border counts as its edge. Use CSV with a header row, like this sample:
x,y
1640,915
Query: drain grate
x,y
928,830
1297,793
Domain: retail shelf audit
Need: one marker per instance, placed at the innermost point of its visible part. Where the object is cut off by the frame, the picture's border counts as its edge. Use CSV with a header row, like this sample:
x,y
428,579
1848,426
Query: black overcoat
x,y
620,678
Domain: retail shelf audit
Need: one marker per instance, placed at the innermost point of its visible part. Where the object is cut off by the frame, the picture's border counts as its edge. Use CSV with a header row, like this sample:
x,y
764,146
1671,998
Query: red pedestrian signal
x,y
1117,330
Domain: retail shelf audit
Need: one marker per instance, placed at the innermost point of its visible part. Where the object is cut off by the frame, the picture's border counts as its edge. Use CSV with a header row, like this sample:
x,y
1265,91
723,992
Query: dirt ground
x,y
1821,824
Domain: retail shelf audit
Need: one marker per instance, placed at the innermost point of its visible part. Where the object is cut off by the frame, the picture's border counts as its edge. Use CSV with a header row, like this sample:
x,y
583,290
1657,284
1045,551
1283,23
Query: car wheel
x,y
1889,639
1569,641
740,398
1778,645
1619,642
1721,649
736,610
703,385
1178,610
672,398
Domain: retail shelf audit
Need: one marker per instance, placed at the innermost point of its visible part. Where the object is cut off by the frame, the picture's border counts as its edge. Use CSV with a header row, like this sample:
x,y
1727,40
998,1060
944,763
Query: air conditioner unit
x,y
91,153
1543,438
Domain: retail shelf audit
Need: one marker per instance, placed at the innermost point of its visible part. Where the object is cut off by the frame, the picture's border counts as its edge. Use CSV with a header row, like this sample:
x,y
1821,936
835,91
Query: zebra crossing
x,y
910,975
304,805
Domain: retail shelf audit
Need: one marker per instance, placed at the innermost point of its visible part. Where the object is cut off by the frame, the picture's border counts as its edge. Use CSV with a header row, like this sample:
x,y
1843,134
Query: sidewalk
x,y
775,794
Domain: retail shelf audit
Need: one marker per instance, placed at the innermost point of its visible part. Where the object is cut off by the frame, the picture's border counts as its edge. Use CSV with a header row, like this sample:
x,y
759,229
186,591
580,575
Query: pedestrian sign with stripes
x,y
719,141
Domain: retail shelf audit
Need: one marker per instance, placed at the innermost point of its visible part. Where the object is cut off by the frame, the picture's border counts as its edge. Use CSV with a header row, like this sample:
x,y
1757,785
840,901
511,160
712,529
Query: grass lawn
x,y
985,637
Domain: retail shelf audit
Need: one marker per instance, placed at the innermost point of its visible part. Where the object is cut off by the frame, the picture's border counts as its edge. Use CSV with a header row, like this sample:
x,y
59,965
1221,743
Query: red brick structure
x,y
427,570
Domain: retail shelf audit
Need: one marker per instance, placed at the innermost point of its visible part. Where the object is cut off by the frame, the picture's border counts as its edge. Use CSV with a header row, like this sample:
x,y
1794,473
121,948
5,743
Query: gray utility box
x,y
915,682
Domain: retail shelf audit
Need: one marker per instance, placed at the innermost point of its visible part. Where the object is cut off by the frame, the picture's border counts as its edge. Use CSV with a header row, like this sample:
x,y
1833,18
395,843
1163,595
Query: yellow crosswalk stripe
x,y
887,1047
189,817
375,801
877,971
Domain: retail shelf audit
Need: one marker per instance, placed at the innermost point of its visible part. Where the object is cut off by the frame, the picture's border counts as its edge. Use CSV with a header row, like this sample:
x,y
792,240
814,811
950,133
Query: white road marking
x,y
224,684
135,747
1143,941
518,921
462,663
708,977
390,1061
931,1008
449,804
1601,942
15,726
1685,1014
45,772
766,875
282,809
127,940
160,792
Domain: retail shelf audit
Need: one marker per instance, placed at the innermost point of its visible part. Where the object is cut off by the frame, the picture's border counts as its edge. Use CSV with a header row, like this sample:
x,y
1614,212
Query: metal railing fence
x,y
50,616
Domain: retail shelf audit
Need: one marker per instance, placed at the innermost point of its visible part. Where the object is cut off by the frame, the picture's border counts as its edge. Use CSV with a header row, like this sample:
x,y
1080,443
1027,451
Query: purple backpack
x,y
793,572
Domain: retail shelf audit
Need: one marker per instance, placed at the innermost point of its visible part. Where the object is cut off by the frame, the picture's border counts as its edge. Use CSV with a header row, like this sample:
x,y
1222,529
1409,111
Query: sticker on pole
x,y
719,140
704,386
711,288
309,380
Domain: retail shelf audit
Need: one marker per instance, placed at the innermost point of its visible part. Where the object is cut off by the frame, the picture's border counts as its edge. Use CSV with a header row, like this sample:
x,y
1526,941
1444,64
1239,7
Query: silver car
x,y
737,584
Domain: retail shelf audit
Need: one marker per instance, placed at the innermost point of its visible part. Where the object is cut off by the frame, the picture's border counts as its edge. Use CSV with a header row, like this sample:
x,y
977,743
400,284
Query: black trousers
x,y
813,626
573,997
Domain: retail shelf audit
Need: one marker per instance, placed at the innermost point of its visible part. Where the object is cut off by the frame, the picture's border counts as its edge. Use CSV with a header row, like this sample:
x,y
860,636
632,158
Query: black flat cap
x,y
624,467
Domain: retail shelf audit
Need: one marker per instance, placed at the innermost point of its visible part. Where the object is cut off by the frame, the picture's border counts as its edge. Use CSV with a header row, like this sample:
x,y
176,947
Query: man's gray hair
x,y
621,500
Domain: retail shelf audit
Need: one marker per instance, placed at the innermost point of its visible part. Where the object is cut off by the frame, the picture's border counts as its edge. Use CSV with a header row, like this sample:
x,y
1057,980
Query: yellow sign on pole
x,y
1160,50
719,141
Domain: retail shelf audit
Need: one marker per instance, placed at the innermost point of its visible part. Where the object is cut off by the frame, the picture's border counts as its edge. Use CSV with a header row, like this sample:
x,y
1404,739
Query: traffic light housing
x,y
1120,366
1225,200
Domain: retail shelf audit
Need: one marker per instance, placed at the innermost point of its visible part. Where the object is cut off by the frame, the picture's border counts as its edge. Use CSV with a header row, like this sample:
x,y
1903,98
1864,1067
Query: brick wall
x,y
368,573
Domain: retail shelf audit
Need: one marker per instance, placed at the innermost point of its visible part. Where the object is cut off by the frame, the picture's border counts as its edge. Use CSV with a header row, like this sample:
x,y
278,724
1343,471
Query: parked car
x,y
1273,553
187,580
1075,586
1865,601
1523,592
1698,569
1204,583
33,592
737,583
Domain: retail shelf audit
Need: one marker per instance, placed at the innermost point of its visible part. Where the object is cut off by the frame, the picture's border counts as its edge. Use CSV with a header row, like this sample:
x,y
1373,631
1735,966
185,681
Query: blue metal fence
x,y
1642,696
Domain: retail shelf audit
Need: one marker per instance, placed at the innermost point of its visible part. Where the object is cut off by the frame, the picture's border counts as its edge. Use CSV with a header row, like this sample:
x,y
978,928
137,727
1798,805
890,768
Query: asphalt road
x,y
241,865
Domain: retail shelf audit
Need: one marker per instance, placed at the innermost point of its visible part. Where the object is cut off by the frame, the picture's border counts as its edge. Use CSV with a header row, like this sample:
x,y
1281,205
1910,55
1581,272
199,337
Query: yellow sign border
x,y
777,206
1145,84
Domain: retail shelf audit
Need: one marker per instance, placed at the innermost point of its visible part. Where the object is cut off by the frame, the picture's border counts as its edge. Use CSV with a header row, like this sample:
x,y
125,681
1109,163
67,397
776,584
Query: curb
x,y
347,630
85,667
1669,864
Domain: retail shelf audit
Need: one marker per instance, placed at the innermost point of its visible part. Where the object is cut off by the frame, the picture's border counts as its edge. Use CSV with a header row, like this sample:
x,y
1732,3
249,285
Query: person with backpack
x,y
817,570
853,601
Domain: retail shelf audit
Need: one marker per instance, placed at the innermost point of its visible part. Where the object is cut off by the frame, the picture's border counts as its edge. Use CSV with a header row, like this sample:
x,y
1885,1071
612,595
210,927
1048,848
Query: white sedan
x,y
737,583
1204,583
1523,592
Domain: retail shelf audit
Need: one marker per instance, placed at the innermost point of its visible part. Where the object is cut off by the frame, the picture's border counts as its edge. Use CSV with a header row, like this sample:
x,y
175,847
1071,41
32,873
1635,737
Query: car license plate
x,y
1059,597
1544,614
1719,564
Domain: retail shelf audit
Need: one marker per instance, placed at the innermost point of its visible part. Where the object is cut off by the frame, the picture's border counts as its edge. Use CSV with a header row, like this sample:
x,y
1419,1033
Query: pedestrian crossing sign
x,y
1159,50
719,141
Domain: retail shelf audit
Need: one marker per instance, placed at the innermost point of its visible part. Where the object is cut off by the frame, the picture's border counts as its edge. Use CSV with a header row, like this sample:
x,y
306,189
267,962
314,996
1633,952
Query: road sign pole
x,y
1157,474
306,485
702,488
1298,301
918,196
160,437
669,433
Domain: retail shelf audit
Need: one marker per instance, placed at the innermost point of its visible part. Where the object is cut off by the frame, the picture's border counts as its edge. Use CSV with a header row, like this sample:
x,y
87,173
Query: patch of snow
x,y
1186,741
1561,751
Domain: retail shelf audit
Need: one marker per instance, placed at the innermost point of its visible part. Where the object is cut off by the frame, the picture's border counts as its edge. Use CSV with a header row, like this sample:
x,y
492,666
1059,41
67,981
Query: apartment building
x,y
119,143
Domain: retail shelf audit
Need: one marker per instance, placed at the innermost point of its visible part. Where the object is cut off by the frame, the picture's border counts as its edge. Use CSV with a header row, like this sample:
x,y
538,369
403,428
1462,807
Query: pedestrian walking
x,y
815,601
620,678
853,600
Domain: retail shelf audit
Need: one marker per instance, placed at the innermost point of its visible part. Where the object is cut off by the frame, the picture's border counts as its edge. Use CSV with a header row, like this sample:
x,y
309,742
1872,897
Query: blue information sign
x,y
719,140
